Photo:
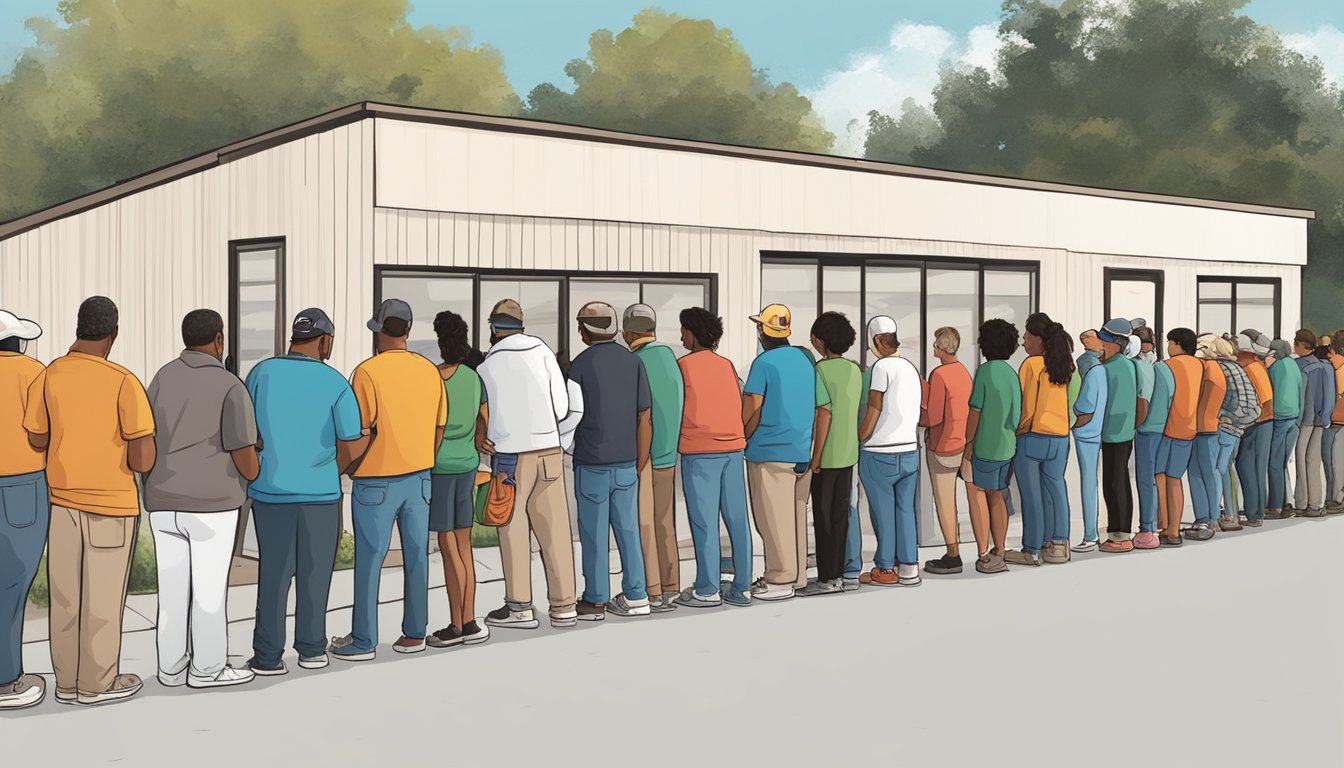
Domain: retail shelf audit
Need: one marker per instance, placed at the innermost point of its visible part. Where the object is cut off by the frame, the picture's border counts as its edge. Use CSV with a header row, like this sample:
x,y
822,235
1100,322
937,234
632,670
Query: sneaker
x,y
474,634
771,592
1086,545
818,587
320,661
624,607
563,618
1146,540
908,576
409,644
663,603
1021,557
227,676
1226,524
513,616
1334,508
880,578
261,670
991,563
735,597
691,599
851,583
1199,532
124,687
1056,553
1313,513
1279,514
1249,523
1117,547
172,681
1170,542
344,649
66,698
944,565
447,637
27,691
591,611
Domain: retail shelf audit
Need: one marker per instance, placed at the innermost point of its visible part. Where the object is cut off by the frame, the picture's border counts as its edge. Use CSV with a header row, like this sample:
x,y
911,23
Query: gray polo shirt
x,y
203,412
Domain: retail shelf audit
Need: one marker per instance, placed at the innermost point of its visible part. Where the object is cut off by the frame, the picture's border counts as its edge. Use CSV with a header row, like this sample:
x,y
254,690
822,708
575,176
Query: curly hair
x,y
452,332
835,332
998,339
703,325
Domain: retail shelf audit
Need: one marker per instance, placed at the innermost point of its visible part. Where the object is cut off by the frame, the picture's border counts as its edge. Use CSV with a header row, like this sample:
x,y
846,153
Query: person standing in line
x,y
1155,389
1253,454
657,483
944,408
1285,379
1089,411
991,441
452,498
1189,394
1317,405
1332,442
207,449
833,462
1124,410
889,459
404,408
713,468
1205,464
93,418
24,509
1091,356
1043,442
1241,408
785,415
310,435
854,533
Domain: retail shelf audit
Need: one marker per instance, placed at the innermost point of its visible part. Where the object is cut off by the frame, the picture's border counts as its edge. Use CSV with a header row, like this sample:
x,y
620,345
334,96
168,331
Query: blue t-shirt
x,y
303,408
1160,395
791,391
1091,399
1087,361
615,390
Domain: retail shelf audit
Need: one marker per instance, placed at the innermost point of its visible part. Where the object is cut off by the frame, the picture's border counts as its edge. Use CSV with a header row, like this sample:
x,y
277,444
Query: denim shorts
x,y
452,501
990,475
1173,456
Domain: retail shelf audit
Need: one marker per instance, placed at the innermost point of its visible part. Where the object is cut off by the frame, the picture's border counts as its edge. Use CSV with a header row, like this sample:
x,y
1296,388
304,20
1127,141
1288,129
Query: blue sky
x,y
838,52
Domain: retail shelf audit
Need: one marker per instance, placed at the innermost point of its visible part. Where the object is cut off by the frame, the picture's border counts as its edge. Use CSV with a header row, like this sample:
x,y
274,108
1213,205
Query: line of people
x,y
411,435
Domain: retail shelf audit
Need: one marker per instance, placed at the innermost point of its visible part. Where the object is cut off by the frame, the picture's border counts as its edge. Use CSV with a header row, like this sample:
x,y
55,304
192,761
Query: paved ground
x,y
1224,653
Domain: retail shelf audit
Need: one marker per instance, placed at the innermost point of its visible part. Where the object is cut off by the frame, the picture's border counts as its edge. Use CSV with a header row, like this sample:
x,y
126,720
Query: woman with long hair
x,y
1043,441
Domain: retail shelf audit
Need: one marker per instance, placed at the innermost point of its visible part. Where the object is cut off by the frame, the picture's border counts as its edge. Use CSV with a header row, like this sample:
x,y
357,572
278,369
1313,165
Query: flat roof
x,y
363,110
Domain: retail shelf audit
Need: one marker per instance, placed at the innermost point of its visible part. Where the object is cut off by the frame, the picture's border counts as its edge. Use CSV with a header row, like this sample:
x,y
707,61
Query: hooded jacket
x,y
526,395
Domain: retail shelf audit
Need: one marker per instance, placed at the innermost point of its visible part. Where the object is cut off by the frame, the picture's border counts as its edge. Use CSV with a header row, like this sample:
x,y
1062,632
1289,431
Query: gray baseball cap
x,y
639,318
310,324
387,310
598,317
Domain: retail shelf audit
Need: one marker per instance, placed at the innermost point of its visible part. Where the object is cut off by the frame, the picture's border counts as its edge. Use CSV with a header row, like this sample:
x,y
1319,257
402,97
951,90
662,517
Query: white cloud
x,y
906,68
1325,43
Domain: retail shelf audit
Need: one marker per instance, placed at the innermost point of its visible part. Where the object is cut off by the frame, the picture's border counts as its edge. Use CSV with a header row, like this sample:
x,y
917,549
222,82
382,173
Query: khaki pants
x,y
658,530
88,566
779,505
943,477
539,504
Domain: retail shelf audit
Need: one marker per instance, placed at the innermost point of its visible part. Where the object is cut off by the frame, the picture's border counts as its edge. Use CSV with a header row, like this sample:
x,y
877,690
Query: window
x,y
539,298
1132,293
1233,304
256,302
842,291
427,298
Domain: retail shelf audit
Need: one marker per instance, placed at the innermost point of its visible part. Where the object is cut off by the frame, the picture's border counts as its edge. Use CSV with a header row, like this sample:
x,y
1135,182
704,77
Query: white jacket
x,y
570,424
526,394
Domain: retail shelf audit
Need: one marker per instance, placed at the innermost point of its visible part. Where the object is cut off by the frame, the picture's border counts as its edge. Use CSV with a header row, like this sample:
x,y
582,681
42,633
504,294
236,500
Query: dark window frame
x,y
1158,278
251,245
1233,281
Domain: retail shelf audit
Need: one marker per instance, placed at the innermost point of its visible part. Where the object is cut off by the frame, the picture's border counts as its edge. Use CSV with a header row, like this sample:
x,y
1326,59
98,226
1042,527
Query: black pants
x,y
830,519
1115,487
295,542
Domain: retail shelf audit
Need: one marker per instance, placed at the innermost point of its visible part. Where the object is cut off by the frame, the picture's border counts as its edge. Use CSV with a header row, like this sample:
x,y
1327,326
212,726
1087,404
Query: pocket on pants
x,y
20,502
370,494
107,532
552,466
625,479
426,489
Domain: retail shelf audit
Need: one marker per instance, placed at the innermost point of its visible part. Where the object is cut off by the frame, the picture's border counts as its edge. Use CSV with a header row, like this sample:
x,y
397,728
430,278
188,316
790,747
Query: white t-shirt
x,y
897,426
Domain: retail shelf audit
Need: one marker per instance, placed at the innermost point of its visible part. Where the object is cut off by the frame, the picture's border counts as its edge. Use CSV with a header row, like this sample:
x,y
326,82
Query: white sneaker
x,y
513,616
770,592
907,576
621,605
227,676
280,670
172,681
691,599
27,691
319,661
1085,546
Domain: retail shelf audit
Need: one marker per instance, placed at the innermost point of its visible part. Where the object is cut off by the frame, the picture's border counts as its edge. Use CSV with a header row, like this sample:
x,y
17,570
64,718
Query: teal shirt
x,y
1122,390
1285,376
997,394
1159,401
669,395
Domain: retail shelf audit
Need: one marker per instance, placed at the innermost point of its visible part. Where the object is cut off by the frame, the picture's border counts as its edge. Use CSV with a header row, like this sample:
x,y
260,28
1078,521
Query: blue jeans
x,y
24,514
1206,480
1253,468
854,538
1282,442
294,542
379,502
891,481
1089,455
608,499
1332,482
1145,478
715,484
1039,465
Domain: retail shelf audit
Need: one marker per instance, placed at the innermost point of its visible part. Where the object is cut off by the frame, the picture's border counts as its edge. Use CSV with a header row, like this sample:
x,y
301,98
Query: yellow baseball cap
x,y
774,321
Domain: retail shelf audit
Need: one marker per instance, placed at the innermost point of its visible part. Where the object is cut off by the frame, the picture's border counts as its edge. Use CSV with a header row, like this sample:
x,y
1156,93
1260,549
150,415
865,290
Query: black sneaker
x,y
473,633
944,565
591,611
447,637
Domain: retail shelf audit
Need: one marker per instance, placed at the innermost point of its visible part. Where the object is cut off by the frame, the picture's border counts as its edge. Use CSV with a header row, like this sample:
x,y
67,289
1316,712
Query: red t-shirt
x,y
711,419
946,407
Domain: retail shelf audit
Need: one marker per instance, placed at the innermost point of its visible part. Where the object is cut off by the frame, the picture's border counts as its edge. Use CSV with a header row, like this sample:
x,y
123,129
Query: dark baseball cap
x,y
391,308
311,323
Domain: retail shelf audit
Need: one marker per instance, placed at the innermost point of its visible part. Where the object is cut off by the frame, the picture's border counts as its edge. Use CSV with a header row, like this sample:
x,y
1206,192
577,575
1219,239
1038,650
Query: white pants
x,y
194,552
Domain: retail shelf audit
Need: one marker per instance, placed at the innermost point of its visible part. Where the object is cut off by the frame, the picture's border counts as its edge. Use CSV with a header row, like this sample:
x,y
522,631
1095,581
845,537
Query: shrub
x,y
345,552
484,536
40,593
144,568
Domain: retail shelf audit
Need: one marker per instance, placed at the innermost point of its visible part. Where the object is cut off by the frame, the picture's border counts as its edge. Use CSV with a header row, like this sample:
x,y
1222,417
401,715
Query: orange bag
x,y
499,499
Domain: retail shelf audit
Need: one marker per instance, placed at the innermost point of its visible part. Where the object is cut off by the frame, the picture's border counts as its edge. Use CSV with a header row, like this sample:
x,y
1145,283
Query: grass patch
x,y
345,552
484,536
40,593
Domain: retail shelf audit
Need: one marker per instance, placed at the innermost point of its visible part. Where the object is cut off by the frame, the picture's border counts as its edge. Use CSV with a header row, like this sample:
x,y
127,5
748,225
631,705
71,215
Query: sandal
x,y
1170,541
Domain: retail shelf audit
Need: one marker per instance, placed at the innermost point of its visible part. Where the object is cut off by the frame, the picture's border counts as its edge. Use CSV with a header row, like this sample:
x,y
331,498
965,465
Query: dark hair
x,y
703,325
200,327
396,327
97,319
835,332
998,339
770,342
452,332
474,359
1184,337
1323,352
1147,336
1337,342
1305,336
12,344
1057,346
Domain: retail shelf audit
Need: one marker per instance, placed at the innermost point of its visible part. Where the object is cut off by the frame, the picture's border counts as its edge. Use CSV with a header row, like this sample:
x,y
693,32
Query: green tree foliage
x,y
686,78
1179,96
122,86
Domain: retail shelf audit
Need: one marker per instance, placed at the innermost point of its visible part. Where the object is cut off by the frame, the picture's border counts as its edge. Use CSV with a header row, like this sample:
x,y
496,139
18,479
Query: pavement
x,y
1218,653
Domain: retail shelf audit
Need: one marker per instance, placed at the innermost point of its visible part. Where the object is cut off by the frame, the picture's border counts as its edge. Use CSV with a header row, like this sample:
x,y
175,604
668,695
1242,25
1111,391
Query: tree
x,y
122,86
1178,96
670,76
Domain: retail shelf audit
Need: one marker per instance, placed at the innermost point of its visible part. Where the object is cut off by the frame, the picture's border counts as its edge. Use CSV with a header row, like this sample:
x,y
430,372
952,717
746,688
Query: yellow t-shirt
x,y
401,398
92,409
17,374
1045,405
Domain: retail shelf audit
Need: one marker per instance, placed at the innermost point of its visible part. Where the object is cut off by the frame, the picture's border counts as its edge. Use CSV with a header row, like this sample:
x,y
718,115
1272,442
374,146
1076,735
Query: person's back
x,y
1285,379
526,395
1122,392
17,374
711,417
787,383
611,378
949,394
1264,389
997,395
898,422
1187,374
1319,404
402,399
668,391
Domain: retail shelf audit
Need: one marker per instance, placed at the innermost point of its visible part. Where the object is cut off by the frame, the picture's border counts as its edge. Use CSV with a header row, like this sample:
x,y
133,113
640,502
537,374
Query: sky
x,y
842,53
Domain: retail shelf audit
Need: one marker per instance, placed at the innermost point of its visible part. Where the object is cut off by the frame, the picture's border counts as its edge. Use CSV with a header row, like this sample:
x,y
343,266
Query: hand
x,y
483,445
816,466
641,464
261,444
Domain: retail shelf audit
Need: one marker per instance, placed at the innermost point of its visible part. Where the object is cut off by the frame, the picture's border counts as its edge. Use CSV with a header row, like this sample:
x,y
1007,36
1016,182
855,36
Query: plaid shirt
x,y
1241,406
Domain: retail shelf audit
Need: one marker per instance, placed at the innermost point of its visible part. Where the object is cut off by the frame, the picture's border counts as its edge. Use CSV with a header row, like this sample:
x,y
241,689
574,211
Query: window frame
x,y
1155,276
1233,282
236,249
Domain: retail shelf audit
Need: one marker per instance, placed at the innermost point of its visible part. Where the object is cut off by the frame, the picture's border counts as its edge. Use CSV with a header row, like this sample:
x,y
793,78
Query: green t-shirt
x,y
1075,386
1285,376
997,395
457,452
668,395
843,383
1122,395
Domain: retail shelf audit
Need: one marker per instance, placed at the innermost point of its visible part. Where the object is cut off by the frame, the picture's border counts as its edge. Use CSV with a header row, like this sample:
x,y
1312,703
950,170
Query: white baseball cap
x,y
880,326
12,327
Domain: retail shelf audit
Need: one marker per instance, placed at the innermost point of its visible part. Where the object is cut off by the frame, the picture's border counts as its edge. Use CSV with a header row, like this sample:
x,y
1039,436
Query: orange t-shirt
x,y
1208,415
403,402
1264,391
1338,362
92,409
711,419
1183,418
17,374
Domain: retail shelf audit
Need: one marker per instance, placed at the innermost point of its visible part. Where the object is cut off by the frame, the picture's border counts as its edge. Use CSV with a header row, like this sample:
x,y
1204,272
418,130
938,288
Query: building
x,y
450,210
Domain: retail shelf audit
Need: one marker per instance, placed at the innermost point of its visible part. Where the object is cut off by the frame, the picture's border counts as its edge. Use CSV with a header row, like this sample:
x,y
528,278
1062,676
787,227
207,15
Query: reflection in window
x,y
429,294
1232,305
